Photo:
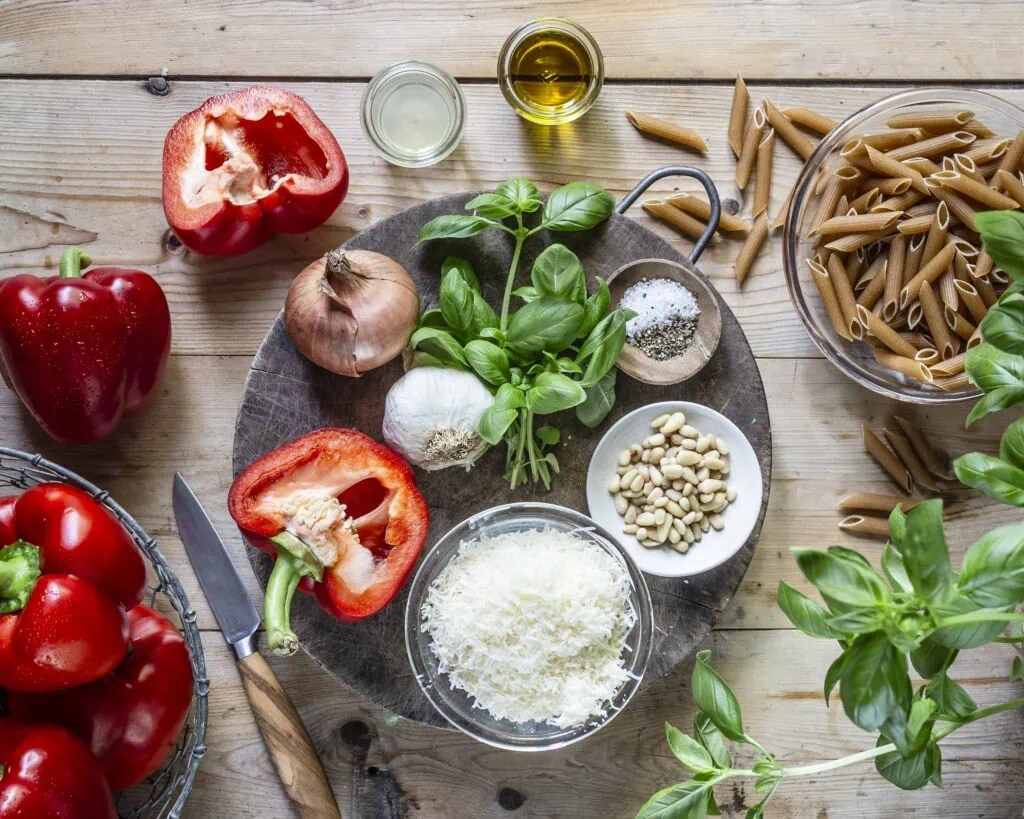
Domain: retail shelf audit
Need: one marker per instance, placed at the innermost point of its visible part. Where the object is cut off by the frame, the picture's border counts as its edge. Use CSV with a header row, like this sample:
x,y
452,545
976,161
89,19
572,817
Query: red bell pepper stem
x,y
72,262
19,571
277,602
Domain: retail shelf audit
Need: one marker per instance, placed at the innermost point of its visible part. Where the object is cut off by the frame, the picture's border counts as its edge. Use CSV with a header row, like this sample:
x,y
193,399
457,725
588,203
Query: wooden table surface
x,y
81,130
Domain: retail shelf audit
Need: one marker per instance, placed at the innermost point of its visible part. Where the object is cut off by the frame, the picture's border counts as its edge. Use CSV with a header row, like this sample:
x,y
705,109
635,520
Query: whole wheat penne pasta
x,y
972,301
999,276
901,201
968,167
928,355
985,290
854,241
865,526
972,189
862,280
988,169
886,140
935,321
885,458
957,141
975,340
929,457
947,288
985,150
677,134
948,164
936,123
738,115
938,233
873,502
865,200
788,131
886,165
844,293
823,281
958,324
831,164
914,315
928,273
783,212
951,366
854,263
884,333
751,247
1014,188
907,366
922,165
979,129
927,208
887,185
682,222
816,122
695,206
918,224
964,248
961,272
894,277
957,206
920,340
748,152
876,278
763,172
984,265
859,223
1014,152
960,381
905,452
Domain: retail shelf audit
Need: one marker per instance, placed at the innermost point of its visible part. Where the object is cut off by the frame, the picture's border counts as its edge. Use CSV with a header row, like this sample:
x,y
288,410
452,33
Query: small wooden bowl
x,y
709,323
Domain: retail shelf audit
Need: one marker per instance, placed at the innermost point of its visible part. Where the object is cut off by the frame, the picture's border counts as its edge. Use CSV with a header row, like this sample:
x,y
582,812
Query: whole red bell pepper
x,y
65,586
81,351
131,718
249,164
48,773
342,512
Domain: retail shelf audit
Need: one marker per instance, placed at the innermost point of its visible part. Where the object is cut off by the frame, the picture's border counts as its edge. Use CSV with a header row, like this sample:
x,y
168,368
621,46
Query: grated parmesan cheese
x,y
532,625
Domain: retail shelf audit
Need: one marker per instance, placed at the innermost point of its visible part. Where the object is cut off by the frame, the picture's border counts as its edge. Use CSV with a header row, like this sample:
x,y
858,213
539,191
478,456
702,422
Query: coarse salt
x,y
657,302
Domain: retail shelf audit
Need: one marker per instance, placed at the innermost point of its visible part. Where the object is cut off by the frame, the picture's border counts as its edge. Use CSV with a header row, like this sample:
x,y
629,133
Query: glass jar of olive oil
x,y
550,71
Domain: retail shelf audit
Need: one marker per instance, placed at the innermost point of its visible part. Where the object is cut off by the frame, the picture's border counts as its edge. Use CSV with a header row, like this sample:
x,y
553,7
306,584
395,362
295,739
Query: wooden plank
x,y
389,770
816,462
61,184
664,39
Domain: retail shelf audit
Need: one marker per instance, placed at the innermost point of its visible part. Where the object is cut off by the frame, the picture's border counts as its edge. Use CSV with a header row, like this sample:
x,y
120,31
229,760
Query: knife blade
x,y
291,750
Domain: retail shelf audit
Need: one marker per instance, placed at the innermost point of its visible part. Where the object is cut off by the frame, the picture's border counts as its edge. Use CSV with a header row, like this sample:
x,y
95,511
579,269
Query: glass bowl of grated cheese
x,y
528,626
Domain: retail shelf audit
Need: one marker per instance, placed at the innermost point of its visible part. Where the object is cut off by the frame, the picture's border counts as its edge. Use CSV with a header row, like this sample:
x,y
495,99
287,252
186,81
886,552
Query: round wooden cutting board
x,y
286,395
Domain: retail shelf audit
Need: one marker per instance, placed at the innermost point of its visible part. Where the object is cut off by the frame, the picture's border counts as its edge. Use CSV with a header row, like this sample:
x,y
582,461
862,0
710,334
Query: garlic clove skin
x,y
431,415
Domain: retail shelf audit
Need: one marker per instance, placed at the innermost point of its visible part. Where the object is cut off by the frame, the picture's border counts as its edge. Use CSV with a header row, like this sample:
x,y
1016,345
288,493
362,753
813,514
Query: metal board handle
x,y
680,170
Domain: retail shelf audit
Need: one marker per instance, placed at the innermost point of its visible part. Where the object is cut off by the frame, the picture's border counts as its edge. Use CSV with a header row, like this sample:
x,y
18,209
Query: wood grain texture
x,y
663,39
295,759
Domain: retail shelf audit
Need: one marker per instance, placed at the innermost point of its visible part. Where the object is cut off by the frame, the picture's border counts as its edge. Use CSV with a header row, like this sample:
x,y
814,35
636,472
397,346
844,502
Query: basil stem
x,y
520,234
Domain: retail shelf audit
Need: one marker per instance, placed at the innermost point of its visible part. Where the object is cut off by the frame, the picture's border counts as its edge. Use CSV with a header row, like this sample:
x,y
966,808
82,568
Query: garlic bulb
x,y
430,417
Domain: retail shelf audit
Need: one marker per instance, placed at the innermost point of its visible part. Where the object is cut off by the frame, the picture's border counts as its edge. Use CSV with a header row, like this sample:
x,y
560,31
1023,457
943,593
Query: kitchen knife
x,y
286,738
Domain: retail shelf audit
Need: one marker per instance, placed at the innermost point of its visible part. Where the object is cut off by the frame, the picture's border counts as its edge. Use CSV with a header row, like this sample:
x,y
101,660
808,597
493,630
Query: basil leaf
x,y
594,308
892,566
1003,235
453,226
488,361
907,632
716,699
991,476
567,365
558,272
689,751
545,324
999,399
850,554
527,294
493,206
972,635
1017,670
930,659
494,423
919,724
432,318
441,344
713,809
992,572
912,772
898,527
465,268
857,621
521,191
509,397
999,375
549,435
603,345
835,674
843,581
484,317
421,359
705,732
925,554
804,613
493,333
1011,447
554,392
600,400
1003,325
873,681
687,800
577,206
457,302
950,697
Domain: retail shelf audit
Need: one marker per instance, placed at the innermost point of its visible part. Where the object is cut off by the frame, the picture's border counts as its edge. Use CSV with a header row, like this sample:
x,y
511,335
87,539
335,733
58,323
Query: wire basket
x,y
163,795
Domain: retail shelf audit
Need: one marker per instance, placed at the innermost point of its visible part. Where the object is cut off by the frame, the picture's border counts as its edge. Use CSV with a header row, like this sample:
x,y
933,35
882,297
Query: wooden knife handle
x,y
291,749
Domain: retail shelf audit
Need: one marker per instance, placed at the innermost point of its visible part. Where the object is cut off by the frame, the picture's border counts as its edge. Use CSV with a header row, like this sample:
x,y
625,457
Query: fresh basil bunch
x,y
554,353
997,365
916,611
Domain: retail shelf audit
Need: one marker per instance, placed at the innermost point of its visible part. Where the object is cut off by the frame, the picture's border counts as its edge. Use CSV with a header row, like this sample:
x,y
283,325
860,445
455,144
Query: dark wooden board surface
x,y
286,395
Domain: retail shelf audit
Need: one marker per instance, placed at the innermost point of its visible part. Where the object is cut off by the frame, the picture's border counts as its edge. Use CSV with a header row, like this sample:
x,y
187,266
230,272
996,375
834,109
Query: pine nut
x,y
705,524
648,488
659,516
659,422
657,454
614,484
689,432
673,471
628,475
714,463
630,529
641,533
688,458
656,476
730,493
655,440
673,508
721,446
661,503
621,504
646,457
710,485
631,514
656,493
674,424
624,458
650,544
690,476
637,483
645,519
717,522
689,443
663,529
673,536
673,494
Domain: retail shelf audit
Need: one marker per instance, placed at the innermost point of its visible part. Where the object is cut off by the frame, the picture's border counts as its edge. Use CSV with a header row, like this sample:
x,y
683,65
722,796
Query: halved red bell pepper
x,y
81,351
65,586
48,773
131,718
338,508
249,164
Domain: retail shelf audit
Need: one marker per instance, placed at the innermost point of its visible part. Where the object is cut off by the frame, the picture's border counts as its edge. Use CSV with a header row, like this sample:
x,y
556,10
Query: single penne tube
x,y
975,340
885,140
783,212
907,366
862,279
968,167
876,278
738,115
937,326
979,129
963,271
985,150
922,209
905,452
985,290
854,241
874,502
887,166
828,168
914,315
915,225
683,222
751,246
988,169
1014,188
921,341
886,459
763,172
822,280
928,273
788,131
864,202
884,333
748,152
887,185
928,355
901,201
972,301
973,189
669,131
964,248
983,266
844,293
1014,152
999,276
929,457
859,223
957,205
922,165
956,141
854,263
947,287
695,206
938,234
865,526
948,164
894,277
951,366
816,122
936,123
960,381
958,324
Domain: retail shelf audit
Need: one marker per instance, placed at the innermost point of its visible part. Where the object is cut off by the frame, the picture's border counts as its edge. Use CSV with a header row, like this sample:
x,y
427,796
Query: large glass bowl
x,y
455,705
855,359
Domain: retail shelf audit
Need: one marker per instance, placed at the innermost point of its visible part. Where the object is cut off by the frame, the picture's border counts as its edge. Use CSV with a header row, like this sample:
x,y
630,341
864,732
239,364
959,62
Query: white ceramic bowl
x,y
740,516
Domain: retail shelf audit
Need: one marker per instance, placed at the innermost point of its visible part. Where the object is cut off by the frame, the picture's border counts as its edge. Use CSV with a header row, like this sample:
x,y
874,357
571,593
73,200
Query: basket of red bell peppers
x,y
103,692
